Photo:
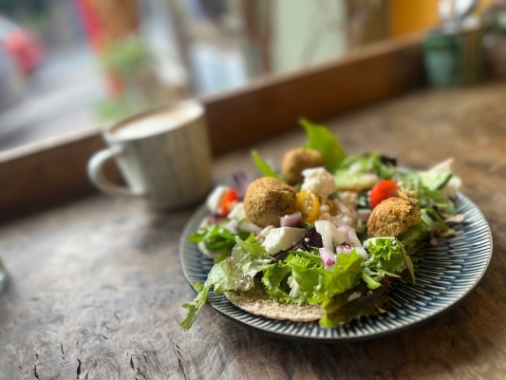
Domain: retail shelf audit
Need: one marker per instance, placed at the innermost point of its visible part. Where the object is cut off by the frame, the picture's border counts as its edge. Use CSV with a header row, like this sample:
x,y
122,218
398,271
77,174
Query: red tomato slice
x,y
383,190
230,197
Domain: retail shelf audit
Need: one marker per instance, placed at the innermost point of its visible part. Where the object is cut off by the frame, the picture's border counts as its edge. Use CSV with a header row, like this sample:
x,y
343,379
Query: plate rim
x,y
202,211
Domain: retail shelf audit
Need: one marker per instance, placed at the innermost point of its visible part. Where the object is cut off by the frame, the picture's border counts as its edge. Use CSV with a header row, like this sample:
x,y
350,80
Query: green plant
x,y
126,57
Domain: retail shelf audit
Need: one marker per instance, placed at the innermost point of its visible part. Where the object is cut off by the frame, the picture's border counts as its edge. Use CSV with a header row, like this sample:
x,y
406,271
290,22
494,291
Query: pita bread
x,y
255,301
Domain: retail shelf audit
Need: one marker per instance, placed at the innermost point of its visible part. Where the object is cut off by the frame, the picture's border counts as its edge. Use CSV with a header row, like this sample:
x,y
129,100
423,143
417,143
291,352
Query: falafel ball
x,y
267,200
393,216
296,160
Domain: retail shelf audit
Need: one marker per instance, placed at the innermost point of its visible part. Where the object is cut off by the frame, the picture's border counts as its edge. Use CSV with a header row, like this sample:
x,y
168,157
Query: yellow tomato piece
x,y
308,205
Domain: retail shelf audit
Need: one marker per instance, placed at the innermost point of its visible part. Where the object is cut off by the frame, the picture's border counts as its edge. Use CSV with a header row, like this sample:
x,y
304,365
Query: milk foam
x,y
159,122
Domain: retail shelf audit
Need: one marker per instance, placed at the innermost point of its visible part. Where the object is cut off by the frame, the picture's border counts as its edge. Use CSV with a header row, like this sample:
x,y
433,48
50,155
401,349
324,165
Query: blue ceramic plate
x,y
444,275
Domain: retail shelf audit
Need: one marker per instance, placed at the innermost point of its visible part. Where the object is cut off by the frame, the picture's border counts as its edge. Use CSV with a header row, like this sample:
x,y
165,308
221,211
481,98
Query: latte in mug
x,y
158,122
163,155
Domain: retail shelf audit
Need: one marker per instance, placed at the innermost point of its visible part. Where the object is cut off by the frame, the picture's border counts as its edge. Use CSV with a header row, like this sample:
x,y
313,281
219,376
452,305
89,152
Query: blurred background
x,y
67,65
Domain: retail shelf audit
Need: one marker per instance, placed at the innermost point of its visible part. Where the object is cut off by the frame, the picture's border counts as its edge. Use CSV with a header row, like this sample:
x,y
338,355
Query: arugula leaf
x,y
443,227
322,140
264,167
236,272
429,198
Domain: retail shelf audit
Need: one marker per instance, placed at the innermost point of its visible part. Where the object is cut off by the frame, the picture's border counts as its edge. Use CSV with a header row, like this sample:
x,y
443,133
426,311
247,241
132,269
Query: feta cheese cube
x,y
282,238
331,236
238,212
214,199
319,181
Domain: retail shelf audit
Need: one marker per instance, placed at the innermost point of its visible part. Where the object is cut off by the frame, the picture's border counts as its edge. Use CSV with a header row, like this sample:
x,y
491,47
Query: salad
x,y
325,237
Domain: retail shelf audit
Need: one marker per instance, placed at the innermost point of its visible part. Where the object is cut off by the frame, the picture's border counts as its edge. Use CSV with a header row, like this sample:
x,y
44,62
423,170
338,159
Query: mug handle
x,y
97,176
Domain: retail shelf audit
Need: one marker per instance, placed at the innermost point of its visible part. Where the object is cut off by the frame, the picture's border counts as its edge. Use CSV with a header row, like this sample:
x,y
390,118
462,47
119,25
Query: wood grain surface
x,y
96,286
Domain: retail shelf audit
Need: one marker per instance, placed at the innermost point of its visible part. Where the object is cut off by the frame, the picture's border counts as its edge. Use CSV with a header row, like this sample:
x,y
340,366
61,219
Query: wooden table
x,y
96,286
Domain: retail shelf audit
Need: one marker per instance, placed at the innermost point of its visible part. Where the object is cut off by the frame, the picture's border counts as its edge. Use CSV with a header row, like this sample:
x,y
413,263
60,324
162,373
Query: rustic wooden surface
x,y
97,286
264,108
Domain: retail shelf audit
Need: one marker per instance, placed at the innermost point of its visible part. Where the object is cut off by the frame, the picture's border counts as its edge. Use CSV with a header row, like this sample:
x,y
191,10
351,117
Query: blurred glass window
x,y
95,61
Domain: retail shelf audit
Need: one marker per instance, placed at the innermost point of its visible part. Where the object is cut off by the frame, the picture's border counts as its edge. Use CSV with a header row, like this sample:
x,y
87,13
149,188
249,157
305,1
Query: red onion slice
x,y
351,236
363,214
346,249
291,220
232,225
328,258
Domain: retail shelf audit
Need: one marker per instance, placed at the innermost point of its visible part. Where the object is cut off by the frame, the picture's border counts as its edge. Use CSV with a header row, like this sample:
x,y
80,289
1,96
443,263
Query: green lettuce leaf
x,y
217,239
275,277
368,163
356,302
236,272
387,257
345,275
216,275
316,283
426,197
415,236
252,246
354,167
322,140
305,270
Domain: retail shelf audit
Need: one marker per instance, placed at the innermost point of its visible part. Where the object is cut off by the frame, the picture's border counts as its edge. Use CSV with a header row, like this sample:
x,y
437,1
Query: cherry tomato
x,y
383,190
228,199
308,205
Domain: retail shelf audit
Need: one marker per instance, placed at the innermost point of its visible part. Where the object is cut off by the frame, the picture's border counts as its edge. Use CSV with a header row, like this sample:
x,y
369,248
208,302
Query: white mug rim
x,y
151,111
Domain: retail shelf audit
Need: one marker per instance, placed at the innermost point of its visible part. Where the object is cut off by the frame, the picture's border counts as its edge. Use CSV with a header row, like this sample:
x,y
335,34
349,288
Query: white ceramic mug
x,y
163,155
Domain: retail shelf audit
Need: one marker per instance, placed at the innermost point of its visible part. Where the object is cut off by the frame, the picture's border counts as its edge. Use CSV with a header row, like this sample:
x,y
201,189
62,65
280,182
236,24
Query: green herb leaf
x,y
322,140
264,167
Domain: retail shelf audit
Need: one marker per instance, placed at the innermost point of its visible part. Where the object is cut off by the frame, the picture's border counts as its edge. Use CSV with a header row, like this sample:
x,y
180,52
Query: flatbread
x,y
255,301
